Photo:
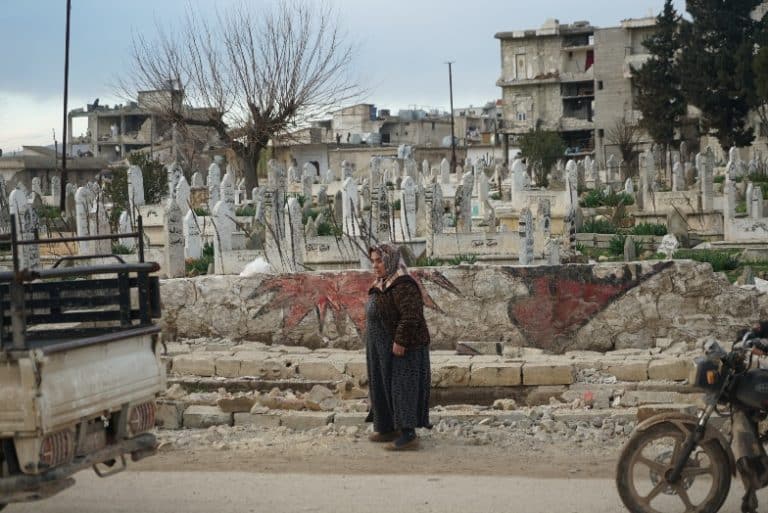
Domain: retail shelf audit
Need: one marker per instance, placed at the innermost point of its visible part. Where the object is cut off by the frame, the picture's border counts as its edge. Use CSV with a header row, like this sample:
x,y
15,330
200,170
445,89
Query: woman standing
x,y
397,351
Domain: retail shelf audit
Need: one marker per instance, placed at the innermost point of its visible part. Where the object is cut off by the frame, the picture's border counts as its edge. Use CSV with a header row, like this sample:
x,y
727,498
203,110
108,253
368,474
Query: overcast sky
x,y
403,47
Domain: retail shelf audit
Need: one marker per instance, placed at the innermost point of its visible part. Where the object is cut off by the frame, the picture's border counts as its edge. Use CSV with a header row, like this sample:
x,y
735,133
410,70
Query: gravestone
x,y
408,208
756,200
37,187
571,185
214,185
182,195
346,170
174,241
489,217
350,207
748,197
294,236
706,168
410,168
83,200
445,171
375,172
464,219
381,228
552,251
544,220
630,251
174,175
669,245
55,190
678,177
197,179
124,226
293,174
193,242
322,196
525,233
135,190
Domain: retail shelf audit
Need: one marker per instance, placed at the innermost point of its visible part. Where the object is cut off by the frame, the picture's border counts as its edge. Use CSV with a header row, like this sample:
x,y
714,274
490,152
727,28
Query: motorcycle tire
x,y
715,477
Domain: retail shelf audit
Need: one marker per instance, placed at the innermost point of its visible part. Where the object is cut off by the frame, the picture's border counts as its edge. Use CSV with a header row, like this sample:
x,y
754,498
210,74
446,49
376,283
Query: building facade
x,y
573,79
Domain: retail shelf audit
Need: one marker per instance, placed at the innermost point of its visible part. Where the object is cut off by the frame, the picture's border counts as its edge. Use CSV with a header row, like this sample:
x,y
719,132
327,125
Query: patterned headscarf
x,y
392,257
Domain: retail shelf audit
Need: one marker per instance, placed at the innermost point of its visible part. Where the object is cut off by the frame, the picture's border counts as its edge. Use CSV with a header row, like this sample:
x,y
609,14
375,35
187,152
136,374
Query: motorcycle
x,y
675,462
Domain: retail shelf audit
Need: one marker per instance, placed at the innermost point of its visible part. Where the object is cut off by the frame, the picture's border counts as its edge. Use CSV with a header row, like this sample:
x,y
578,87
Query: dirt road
x,y
339,475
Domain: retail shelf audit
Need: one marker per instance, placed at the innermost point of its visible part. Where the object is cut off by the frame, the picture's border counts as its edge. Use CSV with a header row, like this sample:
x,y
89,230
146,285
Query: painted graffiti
x,y
559,304
344,294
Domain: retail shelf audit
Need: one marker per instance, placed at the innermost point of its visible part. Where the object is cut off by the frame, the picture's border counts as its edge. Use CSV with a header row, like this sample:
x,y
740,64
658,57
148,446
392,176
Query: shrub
x,y
719,179
427,261
327,228
463,259
658,230
201,211
757,177
395,205
119,249
593,199
496,196
616,245
48,212
197,266
741,207
593,225
246,211
597,198
720,260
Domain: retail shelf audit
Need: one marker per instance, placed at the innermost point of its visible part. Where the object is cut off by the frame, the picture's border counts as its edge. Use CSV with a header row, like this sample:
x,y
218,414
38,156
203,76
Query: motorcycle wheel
x,y
648,456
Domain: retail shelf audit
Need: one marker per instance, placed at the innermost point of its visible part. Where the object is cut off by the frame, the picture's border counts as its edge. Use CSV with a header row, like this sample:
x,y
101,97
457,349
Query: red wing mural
x,y
343,293
559,304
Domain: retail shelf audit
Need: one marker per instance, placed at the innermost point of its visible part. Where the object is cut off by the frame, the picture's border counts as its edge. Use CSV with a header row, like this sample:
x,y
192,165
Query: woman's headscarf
x,y
394,264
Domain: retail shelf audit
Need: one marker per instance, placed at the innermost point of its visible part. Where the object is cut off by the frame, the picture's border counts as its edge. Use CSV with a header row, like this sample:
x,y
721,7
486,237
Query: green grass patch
x,y
593,225
658,230
463,259
246,211
720,260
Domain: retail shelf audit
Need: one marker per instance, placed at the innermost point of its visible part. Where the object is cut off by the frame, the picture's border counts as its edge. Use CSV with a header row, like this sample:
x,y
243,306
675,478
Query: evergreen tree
x,y
716,66
542,149
660,97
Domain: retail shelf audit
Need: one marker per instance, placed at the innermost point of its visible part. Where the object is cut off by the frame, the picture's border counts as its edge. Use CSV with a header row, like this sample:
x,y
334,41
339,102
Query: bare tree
x,y
252,75
624,136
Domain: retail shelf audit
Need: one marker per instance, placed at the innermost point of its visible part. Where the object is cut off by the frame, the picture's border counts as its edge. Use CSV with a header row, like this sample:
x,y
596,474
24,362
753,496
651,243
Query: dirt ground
x,y
438,454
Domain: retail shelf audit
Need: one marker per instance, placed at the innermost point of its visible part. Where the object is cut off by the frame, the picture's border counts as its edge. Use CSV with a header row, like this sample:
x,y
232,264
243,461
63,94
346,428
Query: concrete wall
x,y
591,307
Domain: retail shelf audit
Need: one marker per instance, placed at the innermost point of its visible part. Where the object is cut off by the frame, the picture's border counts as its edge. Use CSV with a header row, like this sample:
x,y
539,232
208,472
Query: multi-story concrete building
x,y
114,132
573,79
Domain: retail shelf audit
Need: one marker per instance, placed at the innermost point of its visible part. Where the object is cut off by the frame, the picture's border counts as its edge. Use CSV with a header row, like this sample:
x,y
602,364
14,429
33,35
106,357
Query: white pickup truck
x,y
79,368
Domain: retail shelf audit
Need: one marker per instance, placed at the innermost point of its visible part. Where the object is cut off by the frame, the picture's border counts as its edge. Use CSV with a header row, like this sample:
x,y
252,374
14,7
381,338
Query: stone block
x,y
639,397
206,416
304,420
547,374
570,416
318,369
265,420
358,370
236,404
450,375
169,414
495,374
539,395
194,364
673,369
649,410
628,370
349,419
228,366
260,365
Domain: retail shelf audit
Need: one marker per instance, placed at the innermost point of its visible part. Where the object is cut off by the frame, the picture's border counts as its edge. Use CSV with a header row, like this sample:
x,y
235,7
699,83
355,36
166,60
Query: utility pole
x,y
453,137
62,195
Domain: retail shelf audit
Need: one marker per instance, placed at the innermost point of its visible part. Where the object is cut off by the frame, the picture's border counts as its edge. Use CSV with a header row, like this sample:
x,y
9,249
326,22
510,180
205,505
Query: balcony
x,y
573,124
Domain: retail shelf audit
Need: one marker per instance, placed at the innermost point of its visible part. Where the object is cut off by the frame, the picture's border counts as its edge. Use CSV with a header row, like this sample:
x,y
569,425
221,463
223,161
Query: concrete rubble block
x,y
321,369
625,415
570,416
169,414
228,366
639,397
261,365
649,410
628,370
265,420
358,369
538,395
305,420
450,375
320,398
198,416
540,373
673,369
495,374
466,416
195,364
349,419
237,403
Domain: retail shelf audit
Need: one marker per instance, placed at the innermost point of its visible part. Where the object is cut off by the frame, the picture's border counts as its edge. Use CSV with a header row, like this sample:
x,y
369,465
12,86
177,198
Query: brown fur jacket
x,y
402,310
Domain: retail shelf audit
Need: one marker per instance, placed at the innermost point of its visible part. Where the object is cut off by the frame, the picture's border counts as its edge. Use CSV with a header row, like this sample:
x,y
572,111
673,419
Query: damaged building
x,y
574,79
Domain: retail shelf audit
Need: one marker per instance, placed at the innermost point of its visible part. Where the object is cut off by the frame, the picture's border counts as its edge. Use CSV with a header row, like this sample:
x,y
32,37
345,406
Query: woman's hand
x,y
397,349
